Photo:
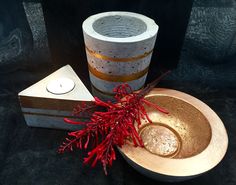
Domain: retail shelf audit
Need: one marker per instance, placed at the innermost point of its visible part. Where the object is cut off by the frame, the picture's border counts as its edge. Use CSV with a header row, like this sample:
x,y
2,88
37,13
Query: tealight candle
x,y
60,86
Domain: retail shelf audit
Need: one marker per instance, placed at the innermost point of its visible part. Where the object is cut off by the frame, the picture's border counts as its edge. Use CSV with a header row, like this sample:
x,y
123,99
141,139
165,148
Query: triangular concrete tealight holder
x,y
47,102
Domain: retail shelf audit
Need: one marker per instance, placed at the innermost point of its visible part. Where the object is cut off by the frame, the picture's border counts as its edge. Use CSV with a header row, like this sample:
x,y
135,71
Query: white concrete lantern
x,y
119,46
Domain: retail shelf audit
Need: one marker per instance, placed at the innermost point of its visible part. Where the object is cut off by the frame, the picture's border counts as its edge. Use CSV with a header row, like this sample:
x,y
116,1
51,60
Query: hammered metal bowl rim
x,y
190,166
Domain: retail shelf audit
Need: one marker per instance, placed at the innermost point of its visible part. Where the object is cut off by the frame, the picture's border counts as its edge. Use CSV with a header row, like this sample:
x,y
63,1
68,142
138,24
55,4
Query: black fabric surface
x,y
206,70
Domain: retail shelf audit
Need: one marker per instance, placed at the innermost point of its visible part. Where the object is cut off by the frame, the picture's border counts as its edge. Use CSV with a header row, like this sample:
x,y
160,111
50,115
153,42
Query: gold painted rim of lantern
x,y
203,161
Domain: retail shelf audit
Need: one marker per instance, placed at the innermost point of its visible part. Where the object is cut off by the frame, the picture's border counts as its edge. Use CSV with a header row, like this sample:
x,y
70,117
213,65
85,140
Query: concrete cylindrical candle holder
x,y
119,47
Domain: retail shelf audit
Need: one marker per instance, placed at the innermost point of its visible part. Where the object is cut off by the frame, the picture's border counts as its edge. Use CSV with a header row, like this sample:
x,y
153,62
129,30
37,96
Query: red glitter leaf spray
x,y
112,127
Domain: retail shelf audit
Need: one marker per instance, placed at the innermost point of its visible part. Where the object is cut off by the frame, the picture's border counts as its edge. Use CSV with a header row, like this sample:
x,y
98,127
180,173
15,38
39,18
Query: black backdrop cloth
x,y
37,37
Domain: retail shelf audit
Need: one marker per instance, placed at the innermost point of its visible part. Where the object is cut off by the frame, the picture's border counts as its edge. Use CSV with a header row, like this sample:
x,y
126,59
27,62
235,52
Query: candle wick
x,y
61,85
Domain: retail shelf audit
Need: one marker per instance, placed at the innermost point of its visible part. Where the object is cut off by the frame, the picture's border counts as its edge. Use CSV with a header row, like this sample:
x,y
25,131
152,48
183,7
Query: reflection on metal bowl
x,y
185,143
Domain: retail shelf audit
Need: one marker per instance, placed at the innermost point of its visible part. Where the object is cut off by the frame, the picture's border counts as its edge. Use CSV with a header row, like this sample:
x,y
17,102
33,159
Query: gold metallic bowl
x,y
185,143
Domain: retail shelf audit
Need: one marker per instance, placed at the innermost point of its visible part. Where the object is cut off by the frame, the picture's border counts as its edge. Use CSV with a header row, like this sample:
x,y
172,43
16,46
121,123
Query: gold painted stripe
x,y
113,59
117,78
48,103
56,116
48,115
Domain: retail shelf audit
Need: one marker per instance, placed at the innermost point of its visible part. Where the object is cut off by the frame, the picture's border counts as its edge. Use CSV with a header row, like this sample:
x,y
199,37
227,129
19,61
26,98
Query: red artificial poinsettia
x,y
111,127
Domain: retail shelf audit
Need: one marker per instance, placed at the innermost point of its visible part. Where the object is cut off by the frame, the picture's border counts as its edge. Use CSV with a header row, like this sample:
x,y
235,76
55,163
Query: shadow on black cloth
x,y
28,155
